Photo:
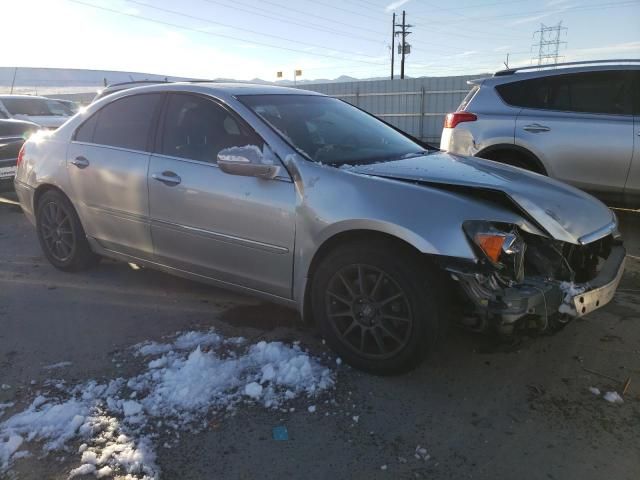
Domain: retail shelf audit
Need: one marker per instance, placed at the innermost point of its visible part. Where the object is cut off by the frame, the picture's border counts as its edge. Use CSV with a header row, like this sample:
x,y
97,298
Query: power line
x,y
359,14
220,35
213,22
627,3
307,14
288,19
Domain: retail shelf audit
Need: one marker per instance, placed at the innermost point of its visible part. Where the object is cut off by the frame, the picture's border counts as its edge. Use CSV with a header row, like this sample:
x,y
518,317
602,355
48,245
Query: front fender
x,y
334,201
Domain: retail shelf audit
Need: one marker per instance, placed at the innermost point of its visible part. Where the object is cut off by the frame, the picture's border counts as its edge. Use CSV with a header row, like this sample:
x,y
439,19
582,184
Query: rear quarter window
x,y
124,123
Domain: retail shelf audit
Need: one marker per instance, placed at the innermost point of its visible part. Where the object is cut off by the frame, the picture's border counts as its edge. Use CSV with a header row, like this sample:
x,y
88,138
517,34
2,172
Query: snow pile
x,y
570,290
185,380
613,397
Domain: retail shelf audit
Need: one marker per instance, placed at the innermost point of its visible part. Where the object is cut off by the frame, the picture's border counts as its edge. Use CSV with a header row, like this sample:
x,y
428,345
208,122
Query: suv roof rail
x,y
511,71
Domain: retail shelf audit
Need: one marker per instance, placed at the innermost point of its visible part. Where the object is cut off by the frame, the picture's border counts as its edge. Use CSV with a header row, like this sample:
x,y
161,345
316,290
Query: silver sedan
x,y
308,201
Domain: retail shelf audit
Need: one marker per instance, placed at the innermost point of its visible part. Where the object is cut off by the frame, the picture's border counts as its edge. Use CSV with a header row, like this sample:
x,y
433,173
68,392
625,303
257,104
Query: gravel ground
x,y
480,409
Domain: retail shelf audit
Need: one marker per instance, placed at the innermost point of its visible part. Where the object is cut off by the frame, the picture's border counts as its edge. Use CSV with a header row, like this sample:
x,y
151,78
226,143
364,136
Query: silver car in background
x,y
305,200
577,122
45,112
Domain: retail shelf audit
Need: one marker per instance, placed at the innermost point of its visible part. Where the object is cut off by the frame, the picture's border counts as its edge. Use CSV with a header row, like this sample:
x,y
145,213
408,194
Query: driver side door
x,y
235,229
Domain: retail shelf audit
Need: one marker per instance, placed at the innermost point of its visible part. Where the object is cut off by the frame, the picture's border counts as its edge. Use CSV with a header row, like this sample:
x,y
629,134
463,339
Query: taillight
x,y
453,119
20,156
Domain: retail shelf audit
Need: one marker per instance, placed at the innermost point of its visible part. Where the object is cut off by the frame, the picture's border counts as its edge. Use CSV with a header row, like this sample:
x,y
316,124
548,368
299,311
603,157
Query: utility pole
x,y
13,81
549,43
403,47
393,42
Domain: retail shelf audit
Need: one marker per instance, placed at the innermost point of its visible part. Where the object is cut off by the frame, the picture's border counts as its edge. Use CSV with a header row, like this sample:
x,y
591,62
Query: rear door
x,y
107,162
579,125
235,229
632,188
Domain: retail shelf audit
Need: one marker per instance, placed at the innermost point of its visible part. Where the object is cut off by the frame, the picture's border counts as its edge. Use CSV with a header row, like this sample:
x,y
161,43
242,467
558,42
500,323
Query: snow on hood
x,y
564,212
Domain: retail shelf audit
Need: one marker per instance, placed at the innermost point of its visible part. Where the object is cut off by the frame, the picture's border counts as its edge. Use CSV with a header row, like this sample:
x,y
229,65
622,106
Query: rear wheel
x,y
61,235
376,307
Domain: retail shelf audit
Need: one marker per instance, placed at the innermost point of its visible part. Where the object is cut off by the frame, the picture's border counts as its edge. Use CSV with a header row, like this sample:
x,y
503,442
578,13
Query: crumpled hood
x,y
566,213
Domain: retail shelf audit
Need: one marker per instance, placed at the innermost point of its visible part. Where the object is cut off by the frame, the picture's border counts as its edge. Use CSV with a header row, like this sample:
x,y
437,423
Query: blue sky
x,y
245,39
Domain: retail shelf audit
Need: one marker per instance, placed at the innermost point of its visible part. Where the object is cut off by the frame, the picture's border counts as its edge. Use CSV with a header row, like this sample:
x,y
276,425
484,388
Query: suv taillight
x,y
453,119
20,156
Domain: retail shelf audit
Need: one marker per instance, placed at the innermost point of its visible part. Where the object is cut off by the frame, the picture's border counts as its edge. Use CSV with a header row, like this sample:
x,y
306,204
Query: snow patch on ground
x,y
57,365
594,390
193,375
613,397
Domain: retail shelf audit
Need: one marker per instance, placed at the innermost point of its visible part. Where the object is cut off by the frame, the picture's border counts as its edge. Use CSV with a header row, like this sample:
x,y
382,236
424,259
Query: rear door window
x,y
606,92
124,123
196,128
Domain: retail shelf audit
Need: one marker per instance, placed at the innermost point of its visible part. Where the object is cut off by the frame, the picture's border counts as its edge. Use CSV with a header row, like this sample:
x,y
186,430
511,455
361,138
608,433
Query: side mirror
x,y
248,161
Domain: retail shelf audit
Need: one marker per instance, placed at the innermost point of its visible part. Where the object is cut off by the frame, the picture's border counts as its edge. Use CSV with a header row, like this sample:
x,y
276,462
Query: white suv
x,y
578,122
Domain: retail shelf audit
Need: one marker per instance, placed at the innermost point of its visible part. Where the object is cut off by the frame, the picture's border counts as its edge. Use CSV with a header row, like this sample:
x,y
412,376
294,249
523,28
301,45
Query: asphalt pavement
x,y
481,409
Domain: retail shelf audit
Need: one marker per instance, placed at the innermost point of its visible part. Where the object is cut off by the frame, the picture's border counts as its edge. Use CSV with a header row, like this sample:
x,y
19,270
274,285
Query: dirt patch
x,y
264,316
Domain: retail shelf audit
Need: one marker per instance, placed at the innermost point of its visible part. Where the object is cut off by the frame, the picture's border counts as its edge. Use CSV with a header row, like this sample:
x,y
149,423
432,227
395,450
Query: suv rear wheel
x,y
376,306
515,159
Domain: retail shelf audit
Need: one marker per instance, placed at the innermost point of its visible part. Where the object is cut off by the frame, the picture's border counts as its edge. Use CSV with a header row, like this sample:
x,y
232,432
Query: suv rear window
x,y
468,98
590,92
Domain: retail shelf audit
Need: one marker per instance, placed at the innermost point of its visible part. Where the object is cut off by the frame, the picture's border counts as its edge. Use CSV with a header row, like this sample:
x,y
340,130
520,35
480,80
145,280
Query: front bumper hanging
x,y
539,298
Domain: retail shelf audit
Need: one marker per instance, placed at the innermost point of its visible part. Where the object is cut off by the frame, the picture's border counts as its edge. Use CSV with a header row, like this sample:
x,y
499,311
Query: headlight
x,y
501,245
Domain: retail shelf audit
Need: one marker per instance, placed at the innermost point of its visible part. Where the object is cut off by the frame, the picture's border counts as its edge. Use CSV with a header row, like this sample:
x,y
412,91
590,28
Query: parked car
x,y
573,122
69,106
45,112
13,133
308,201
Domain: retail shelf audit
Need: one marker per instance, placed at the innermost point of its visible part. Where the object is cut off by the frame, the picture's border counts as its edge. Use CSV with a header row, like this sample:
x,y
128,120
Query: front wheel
x,y
376,306
61,235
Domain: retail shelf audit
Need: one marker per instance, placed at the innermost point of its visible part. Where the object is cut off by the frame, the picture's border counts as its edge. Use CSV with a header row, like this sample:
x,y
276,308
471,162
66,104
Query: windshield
x,y
330,131
34,107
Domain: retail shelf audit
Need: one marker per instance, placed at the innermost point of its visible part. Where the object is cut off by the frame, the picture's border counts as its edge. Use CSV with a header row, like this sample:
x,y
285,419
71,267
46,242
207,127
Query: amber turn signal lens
x,y
490,244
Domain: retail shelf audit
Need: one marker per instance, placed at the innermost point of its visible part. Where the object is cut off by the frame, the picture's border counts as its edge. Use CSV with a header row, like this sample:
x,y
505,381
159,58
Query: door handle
x,y
80,162
536,128
168,178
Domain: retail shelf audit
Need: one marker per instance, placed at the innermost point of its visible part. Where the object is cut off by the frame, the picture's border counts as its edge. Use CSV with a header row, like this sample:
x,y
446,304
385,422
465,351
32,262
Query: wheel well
x,y
343,238
498,153
41,190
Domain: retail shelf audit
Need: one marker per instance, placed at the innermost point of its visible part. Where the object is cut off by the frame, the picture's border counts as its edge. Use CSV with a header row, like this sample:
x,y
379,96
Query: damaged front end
x,y
524,281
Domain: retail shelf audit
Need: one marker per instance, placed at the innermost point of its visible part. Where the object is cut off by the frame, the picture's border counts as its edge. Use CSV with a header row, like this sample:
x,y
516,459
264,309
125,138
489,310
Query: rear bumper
x,y
25,197
537,299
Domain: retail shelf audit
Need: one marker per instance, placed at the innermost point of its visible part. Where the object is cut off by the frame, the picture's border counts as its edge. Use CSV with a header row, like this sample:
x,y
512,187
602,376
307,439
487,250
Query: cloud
x,y
466,54
392,6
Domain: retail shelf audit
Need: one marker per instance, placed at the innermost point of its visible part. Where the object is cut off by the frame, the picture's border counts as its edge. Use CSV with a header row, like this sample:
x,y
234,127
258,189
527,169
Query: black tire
x,y
61,235
406,341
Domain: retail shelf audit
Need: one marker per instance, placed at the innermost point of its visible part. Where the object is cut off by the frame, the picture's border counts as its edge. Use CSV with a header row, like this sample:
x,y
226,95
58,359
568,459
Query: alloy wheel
x,y
57,232
369,311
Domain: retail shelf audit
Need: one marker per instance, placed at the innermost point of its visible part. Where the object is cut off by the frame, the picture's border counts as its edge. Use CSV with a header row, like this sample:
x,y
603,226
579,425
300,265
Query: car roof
x,y
508,76
221,90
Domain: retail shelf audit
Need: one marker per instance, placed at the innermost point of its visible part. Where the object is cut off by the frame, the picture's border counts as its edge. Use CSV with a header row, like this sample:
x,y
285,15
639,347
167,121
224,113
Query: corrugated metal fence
x,y
416,105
